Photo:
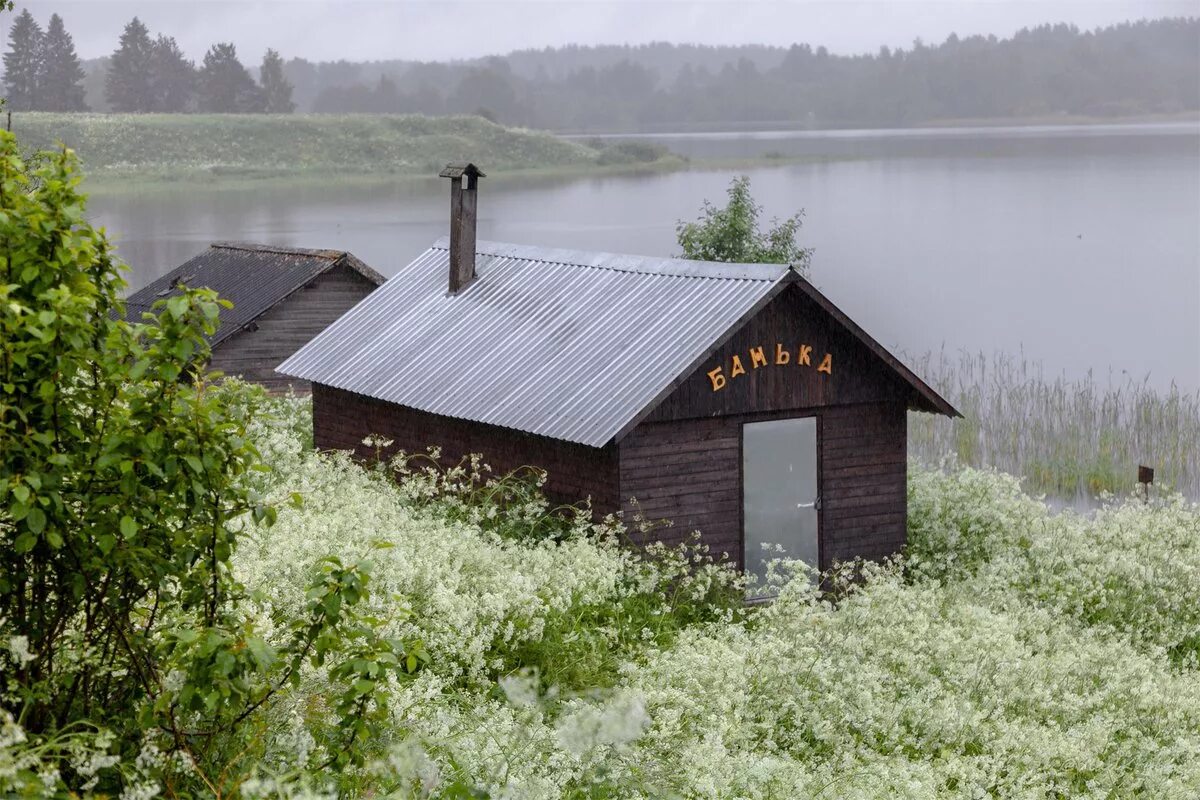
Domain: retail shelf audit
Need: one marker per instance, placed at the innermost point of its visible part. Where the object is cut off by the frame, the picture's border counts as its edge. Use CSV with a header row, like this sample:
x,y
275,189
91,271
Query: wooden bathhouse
x,y
282,297
733,399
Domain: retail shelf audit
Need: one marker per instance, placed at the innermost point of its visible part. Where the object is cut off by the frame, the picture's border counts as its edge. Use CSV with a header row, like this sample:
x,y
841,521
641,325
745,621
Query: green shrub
x,y
124,493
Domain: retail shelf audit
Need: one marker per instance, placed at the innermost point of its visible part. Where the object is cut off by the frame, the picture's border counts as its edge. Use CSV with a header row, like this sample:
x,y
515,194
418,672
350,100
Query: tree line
x,y
144,74
1148,67
41,70
1136,68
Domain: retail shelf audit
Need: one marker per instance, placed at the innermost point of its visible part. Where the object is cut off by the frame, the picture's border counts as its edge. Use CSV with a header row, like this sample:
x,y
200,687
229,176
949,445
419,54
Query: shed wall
x,y
690,471
792,321
684,462
341,420
281,330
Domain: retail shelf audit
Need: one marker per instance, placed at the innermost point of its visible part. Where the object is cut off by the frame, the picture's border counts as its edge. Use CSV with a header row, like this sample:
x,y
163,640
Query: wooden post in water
x,y
1145,478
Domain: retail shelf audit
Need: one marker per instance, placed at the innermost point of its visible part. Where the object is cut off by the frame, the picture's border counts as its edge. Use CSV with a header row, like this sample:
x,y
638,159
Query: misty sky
x,y
360,30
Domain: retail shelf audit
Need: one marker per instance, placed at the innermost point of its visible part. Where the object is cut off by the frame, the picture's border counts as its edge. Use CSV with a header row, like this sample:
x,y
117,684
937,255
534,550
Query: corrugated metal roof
x,y
561,343
253,277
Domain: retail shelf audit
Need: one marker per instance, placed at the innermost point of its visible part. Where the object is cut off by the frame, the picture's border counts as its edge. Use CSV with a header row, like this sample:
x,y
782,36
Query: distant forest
x,y
1131,69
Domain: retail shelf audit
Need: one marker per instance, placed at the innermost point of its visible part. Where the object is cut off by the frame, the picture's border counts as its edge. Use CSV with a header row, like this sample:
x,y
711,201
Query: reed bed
x,y
1069,439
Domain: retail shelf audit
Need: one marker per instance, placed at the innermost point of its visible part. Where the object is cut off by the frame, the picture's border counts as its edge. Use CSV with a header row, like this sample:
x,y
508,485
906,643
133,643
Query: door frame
x,y
771,417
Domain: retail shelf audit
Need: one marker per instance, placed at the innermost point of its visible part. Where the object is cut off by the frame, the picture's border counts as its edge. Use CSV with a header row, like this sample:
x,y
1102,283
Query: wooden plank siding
x,y
690,472
791,320
255,351
864,491
341,420
684,461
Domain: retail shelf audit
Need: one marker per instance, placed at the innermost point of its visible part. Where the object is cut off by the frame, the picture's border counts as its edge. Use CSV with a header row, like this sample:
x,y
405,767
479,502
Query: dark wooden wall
x,y
690,472
254,352
341,420
684,462
791,320
864,476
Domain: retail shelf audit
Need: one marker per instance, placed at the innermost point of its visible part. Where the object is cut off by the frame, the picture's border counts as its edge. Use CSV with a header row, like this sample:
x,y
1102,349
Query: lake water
x,y
1077,247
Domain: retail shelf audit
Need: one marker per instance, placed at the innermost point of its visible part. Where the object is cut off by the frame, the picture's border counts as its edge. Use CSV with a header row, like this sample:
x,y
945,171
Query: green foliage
x,y
276,89
731,233
128,84
224,86
23,62
60,86
117,475
125,483
172,77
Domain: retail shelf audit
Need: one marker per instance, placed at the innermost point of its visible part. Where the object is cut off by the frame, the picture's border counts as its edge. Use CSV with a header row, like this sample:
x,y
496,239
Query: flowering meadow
x,y
1012,652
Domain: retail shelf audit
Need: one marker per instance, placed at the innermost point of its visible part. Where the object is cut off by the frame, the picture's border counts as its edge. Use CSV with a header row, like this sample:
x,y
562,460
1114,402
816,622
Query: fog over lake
x,y
1078,247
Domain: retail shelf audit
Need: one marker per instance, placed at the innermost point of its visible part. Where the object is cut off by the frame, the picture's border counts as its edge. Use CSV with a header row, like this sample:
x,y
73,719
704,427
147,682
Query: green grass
x,y
1070,439
229,148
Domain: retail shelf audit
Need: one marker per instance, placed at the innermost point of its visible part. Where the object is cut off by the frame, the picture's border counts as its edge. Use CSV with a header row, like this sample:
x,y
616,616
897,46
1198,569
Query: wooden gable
x,y
790,355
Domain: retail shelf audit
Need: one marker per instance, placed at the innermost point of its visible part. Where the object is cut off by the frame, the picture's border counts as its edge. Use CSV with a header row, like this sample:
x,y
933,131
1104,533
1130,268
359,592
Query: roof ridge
x,y
662,266
255,247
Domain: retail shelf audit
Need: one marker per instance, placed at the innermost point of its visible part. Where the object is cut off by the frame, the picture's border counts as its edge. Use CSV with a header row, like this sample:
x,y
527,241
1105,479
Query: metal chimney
x,y
462,221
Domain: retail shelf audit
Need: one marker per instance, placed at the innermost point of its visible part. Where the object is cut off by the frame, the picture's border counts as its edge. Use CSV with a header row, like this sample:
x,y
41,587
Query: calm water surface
x,y
1079,247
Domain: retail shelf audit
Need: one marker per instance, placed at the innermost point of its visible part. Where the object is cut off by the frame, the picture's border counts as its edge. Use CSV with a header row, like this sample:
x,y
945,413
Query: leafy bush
x,y
731,233
124,491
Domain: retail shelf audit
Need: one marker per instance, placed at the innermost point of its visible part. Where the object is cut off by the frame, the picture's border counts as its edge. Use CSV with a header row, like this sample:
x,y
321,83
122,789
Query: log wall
x,y
254,352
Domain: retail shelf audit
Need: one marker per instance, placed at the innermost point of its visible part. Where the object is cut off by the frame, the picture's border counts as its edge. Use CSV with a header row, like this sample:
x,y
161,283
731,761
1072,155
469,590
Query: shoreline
x,y
96,183
119,181
964,123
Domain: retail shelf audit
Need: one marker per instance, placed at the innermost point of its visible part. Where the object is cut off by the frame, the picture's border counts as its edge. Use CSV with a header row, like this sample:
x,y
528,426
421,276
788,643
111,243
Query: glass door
x,y
780,492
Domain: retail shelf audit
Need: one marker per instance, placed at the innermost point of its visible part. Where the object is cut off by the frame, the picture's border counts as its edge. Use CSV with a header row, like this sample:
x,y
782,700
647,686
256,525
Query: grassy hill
x,y
119,148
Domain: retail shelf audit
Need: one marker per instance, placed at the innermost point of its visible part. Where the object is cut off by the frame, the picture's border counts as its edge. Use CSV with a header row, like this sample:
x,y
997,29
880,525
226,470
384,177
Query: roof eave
x,y
361,267
924,391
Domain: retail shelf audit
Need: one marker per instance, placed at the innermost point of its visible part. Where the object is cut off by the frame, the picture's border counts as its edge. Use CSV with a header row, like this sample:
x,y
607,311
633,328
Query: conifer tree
x,y
276,88
128,85
23,63
60,88
224,85
172,76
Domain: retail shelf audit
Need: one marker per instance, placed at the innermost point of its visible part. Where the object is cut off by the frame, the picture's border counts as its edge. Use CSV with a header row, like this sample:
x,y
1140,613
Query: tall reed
x,y
1068,438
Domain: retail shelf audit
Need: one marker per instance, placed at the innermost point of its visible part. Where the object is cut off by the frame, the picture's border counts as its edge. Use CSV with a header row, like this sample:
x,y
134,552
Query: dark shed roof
x,y
561,343
254,277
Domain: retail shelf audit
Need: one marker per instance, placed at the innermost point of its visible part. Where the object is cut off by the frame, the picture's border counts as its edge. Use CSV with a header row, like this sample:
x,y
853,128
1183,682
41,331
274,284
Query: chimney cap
x,y
456,169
